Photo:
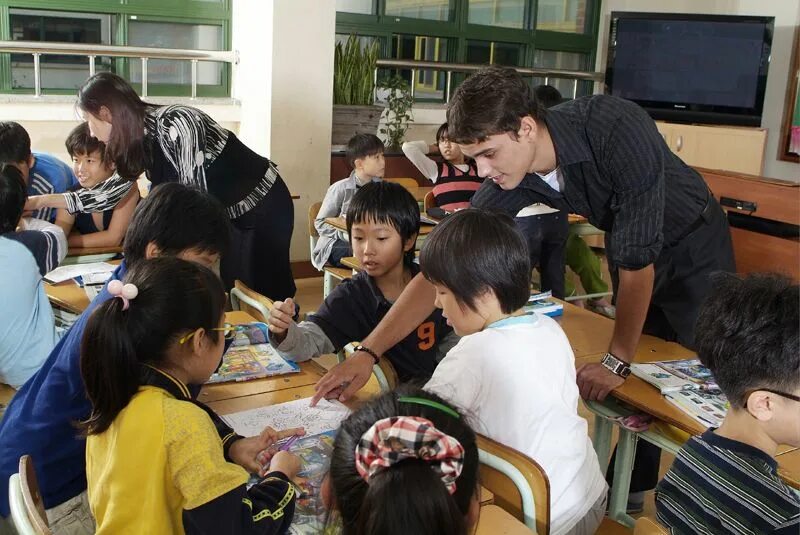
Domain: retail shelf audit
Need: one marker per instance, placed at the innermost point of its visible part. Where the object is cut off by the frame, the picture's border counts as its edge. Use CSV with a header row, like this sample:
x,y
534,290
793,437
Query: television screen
x,y
691,68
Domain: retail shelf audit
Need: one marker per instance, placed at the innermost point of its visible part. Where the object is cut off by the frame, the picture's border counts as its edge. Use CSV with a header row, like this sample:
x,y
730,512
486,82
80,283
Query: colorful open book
x,y
251,357
688,385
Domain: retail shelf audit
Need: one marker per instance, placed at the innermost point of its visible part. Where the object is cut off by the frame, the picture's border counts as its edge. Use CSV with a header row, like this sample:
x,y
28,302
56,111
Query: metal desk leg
x,y
623,466
602,440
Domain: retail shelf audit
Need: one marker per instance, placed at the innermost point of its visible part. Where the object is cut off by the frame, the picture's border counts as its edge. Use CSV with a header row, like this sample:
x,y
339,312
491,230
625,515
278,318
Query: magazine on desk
x,y
542,303
251,357
688,385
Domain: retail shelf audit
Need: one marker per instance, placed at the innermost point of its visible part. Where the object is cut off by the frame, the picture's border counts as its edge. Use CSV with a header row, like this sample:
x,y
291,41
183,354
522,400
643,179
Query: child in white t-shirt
x,y
513,371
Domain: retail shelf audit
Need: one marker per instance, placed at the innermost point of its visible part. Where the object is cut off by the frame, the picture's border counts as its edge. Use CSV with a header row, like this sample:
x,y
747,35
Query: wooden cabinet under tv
x,y
729,148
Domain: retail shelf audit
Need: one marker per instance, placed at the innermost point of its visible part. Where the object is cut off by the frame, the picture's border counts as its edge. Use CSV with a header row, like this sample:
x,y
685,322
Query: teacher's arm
x,y
413,306
634,161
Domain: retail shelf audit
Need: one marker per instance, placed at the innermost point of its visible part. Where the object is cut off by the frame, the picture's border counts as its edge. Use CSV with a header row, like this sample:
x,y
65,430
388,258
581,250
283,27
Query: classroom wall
x,y
787,18
284,82
49,121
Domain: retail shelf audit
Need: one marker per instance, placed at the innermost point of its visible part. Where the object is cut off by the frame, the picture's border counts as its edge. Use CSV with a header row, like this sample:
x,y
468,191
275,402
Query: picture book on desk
x,y
676,375
314,449
542,304
249,357
707,407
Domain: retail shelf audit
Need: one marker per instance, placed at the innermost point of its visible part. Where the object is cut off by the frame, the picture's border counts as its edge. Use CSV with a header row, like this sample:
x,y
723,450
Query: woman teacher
x,y
179,143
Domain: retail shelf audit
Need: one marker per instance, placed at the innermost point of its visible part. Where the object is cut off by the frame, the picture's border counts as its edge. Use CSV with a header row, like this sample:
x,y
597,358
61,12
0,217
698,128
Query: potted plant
x,y
398,111
354,90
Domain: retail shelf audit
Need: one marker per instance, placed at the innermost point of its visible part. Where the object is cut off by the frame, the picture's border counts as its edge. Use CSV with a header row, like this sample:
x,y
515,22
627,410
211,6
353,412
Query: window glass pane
x,y
363,40
57,71
176,35
355,6
428,84
505,13
562,60
561,15
494,53
419,9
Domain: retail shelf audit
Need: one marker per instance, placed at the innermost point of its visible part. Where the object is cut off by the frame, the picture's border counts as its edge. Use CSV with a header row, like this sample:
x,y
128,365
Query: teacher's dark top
x,y
185,145
619,173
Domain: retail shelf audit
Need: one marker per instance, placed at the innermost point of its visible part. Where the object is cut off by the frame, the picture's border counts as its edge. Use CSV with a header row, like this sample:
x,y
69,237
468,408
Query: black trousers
x,y
259,253
681,283
546,235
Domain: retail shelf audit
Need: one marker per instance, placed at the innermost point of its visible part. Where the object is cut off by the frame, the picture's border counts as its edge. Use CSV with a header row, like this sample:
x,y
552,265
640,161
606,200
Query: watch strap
x,y
616,366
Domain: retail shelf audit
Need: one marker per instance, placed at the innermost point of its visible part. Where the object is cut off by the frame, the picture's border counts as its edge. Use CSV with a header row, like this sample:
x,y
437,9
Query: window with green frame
x,y
189,24
559,34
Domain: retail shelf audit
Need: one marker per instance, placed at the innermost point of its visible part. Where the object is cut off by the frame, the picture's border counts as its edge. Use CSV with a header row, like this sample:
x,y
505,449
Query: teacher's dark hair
x,y
175,298
498,258
13,195
176,218
409,497
125,146
491,101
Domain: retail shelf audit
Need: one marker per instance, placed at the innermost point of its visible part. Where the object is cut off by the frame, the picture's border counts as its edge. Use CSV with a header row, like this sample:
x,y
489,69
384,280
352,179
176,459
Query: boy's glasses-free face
x,y
228,330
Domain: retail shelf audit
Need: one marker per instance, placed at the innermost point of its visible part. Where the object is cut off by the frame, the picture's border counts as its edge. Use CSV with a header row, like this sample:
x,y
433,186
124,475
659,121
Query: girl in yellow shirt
x,y
154,461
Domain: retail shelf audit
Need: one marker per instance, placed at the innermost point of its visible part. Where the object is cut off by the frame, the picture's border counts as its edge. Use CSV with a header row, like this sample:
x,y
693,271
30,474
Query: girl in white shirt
x,y
514,371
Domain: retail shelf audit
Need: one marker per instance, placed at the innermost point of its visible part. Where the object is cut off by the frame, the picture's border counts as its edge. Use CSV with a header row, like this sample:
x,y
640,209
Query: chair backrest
x,y
408,183
519,484
250,301
25,501
313,235
429,201
648,526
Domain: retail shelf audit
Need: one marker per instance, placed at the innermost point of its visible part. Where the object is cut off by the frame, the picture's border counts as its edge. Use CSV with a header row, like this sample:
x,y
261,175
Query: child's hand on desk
x,y
286,463
280,317
253,453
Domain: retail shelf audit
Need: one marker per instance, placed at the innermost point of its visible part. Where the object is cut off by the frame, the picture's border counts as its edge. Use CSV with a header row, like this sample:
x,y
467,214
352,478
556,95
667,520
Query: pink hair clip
x,y
126,292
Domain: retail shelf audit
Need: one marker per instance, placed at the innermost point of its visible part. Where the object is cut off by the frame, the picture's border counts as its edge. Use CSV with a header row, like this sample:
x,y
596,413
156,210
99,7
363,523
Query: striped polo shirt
x,y
719,485
454,188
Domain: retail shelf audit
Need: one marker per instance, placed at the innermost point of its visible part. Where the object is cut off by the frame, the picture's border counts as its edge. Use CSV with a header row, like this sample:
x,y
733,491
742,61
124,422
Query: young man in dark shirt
x,y
383,223
603,158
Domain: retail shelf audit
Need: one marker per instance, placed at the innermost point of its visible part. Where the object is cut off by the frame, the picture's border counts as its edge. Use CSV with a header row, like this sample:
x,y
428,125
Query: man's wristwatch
x,y
616,366
367,350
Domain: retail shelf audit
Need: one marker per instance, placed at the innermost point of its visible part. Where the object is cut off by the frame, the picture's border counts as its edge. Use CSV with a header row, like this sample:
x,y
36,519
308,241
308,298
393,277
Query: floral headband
x,y
126,292
396,439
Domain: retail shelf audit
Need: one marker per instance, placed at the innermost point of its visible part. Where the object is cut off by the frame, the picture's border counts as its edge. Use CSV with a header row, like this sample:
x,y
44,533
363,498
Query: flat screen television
x,y
709,69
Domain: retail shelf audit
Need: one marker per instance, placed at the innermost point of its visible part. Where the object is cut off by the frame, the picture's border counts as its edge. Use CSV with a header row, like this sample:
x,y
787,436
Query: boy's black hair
x,y
362,145
80,141
175,298
15,143
388,203
13,195
547,95
441,133
409,497
747,334
492,101
177,217
496,258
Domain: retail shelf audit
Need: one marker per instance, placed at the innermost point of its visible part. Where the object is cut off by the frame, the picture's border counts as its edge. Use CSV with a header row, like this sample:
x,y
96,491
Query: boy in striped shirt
x,y
726,480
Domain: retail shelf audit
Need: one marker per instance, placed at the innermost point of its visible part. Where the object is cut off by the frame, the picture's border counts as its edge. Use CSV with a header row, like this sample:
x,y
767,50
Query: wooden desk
x,y
589,333
339,223
310,373
496,521
789,467
419,192
68,295
84,255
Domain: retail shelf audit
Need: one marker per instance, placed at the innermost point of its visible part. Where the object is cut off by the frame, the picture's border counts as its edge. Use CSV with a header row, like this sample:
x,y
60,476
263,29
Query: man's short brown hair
x,y
491,101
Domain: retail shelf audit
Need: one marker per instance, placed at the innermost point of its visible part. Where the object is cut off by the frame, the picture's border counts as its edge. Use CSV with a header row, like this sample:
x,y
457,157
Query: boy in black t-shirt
x,y
383,223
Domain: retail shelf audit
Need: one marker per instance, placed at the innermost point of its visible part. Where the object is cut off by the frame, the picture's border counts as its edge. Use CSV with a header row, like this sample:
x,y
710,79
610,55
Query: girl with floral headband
x,y
154,461
405,462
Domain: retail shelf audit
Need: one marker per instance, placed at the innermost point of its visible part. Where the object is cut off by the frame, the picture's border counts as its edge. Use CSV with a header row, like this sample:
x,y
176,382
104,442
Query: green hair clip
x,y
430,403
